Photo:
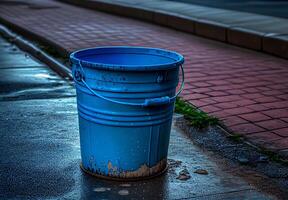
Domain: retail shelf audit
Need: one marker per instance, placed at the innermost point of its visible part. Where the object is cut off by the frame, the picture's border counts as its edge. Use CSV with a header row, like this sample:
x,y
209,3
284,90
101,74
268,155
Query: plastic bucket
x,y
125,100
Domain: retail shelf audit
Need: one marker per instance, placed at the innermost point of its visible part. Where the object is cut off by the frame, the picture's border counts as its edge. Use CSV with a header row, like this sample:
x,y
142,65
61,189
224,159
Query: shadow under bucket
x,y
125,100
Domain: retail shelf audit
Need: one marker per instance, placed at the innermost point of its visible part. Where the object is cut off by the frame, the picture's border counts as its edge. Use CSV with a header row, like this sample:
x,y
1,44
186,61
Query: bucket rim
x,y
178,58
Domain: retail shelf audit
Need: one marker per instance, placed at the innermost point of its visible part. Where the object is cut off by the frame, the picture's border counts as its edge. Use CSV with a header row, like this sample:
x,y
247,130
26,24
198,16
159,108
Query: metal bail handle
x,y
79,76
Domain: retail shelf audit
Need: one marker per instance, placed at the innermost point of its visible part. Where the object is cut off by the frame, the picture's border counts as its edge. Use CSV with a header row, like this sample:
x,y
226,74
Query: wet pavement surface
x,y
24,78
40,150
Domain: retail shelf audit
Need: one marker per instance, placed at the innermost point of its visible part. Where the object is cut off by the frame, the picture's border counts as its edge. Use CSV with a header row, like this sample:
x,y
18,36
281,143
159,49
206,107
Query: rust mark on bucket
x,y
142,171
112,170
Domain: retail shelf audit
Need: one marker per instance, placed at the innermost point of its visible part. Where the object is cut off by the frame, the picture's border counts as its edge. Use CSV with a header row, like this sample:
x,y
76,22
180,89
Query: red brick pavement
x,y
246,89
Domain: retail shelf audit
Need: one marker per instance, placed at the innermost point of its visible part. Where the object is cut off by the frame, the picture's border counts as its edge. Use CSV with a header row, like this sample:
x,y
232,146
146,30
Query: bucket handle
x,y
148,102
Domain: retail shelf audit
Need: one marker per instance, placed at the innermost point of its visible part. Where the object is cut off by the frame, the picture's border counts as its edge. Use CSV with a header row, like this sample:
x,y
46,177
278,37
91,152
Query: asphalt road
x,y
275,8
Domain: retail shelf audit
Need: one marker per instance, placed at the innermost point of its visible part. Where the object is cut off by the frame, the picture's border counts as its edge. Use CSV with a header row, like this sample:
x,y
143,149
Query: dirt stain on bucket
x,y
143,171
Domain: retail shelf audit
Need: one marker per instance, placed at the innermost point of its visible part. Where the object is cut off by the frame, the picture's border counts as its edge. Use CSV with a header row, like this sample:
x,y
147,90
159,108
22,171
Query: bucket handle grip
x,y
148,102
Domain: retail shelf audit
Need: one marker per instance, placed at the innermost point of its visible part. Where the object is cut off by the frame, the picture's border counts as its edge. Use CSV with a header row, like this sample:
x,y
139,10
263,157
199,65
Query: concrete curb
x,y
59,68
269,43
32,36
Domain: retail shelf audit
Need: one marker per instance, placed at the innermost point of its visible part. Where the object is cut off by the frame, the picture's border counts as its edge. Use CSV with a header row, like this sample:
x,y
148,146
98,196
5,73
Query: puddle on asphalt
x,y
46,76
27,78
123,192
101,189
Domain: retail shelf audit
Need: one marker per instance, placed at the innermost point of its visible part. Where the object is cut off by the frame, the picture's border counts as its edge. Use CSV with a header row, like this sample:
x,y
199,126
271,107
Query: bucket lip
x,y
179,59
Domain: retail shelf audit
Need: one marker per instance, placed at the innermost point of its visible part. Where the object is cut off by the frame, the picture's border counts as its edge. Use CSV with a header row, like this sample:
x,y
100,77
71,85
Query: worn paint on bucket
x,y
125,100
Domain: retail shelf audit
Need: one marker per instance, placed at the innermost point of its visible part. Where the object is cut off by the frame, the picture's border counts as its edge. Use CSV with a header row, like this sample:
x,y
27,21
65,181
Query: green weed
x,y
197,118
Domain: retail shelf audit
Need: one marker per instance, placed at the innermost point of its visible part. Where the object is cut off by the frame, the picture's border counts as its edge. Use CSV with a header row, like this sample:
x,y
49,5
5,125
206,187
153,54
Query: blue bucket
x,y
125,100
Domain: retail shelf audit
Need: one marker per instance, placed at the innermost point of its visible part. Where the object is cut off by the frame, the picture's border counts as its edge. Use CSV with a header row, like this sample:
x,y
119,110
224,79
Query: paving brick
x,y
221,114
202,90
201,84
266,99
195,75
238,111
272,124
226,105
252,95
257,107
282,132
217,93
218,82
273,105
255,84
277,145
189,86
246,128
209,109
198,103
236,91
202,102
234,120
263,137
263,88
194,96
278,86
272,92
277,113
255,117
283,96
185,92
238,81
222,88
244,102
229,98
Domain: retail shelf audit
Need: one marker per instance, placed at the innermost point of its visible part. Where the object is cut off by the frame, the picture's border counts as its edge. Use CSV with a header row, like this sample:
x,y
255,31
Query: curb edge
x,y
209,29
23,44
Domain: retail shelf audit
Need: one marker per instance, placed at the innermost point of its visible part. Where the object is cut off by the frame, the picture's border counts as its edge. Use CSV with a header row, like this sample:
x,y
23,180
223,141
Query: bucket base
x,y
113,178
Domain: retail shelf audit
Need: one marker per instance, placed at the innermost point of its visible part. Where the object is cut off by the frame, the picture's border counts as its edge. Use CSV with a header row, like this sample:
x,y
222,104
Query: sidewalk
x,y
245,89
253,31
40,151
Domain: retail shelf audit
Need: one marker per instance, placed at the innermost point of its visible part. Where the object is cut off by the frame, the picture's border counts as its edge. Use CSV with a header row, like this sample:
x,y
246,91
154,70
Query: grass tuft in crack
x,y
197,118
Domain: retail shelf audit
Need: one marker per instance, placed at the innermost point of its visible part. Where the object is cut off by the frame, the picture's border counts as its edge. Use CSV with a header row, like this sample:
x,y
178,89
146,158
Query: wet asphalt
x,y
40,150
